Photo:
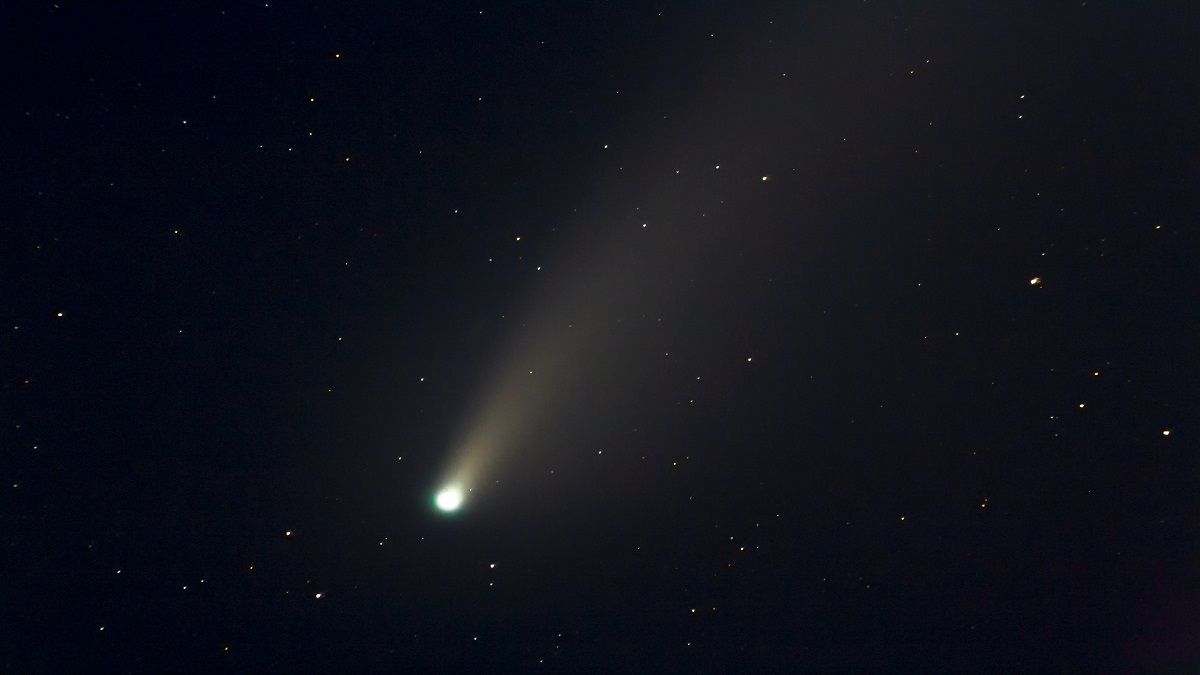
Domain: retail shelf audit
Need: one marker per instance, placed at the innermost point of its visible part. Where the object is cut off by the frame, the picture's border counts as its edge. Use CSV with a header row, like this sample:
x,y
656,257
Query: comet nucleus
x,y
449,499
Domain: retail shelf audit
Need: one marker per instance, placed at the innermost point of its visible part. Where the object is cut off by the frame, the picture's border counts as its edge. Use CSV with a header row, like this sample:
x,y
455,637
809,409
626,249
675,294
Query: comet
x,y
605,295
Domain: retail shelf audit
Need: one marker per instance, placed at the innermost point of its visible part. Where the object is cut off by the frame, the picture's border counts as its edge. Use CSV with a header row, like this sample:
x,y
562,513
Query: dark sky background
x,y
865,336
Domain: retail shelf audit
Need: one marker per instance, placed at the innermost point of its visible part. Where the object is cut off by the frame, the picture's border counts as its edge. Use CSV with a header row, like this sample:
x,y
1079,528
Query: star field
x,y
600,337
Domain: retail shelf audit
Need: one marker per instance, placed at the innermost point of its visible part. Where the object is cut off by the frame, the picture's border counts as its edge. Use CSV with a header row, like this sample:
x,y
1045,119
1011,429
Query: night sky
x,y
754,337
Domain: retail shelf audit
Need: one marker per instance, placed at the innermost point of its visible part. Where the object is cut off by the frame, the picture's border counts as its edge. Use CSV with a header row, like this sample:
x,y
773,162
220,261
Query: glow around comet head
x,y
449,499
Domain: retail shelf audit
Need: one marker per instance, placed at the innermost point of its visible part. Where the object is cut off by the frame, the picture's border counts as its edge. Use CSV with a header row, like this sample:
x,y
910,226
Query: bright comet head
x,y
449,499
